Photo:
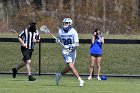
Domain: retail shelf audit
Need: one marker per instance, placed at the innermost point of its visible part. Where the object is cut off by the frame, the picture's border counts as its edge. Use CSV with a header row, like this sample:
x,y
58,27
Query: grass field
x,y
68,84
117,59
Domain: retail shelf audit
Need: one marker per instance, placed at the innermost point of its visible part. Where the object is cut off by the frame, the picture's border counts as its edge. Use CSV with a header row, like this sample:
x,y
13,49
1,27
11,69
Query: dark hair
x,y
97,29
32,23
32,26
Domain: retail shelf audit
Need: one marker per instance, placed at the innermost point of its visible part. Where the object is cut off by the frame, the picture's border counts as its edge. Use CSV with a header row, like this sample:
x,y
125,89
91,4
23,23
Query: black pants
x,y
95,55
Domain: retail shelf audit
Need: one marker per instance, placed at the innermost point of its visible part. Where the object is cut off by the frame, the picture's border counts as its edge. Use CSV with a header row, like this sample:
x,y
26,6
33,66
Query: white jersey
x,y
67,38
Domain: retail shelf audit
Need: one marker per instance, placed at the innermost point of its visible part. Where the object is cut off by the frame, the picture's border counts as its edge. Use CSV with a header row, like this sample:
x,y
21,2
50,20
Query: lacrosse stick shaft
x,y
55,38
52,35
46,30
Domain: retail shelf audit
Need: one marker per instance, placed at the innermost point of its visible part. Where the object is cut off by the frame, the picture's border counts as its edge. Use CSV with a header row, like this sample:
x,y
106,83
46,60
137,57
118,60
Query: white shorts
x,y
70,57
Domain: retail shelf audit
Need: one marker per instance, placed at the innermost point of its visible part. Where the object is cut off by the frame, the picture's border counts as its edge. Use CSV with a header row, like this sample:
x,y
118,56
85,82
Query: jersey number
x,y
67,41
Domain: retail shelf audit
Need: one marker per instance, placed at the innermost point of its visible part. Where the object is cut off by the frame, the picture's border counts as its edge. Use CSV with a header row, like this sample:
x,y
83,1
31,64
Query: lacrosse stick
x,y
45,29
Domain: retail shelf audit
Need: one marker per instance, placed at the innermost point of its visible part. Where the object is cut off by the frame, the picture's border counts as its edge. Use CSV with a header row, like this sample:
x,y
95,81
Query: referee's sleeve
x,y
21,34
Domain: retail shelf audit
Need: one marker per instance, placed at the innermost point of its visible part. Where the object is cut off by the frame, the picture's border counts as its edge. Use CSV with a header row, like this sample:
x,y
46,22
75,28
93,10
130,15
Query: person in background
x,y
96,52
27,38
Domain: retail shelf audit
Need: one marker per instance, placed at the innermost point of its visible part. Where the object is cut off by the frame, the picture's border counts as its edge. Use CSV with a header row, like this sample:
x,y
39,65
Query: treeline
x,y
112,16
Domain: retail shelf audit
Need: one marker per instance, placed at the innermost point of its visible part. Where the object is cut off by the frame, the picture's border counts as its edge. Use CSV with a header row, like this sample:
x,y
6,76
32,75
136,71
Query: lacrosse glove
x,y
57,40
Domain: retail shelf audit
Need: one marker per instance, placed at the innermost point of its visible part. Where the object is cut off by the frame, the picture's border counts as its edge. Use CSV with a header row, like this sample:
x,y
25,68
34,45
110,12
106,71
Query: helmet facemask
x,y
67,22
66,26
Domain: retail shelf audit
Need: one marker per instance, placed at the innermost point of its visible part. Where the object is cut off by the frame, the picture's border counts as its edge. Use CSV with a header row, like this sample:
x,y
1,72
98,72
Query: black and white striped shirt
x,y
28,37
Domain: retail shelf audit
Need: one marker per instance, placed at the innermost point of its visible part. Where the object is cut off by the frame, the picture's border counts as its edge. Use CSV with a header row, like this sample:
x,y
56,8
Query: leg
x,y
98,67
91,68
28,66
58,75
74,71
19,66
65,70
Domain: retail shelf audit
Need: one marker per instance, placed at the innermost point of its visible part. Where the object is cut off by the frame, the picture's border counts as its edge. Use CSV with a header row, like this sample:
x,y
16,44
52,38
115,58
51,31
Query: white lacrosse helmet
x,y
67,20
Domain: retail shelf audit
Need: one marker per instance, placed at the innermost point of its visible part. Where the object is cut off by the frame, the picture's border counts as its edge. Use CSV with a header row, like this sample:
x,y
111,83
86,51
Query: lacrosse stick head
x,y
44,28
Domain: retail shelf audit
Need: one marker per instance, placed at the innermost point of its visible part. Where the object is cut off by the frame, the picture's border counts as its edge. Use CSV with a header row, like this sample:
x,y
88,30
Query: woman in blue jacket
x,y
96,52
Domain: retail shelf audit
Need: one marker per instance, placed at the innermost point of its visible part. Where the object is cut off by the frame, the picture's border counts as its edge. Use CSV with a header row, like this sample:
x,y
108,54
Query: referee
x,y
28,37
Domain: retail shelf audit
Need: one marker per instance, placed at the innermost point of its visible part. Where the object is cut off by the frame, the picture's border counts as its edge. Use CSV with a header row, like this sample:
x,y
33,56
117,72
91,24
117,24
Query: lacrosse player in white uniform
x,y
68,36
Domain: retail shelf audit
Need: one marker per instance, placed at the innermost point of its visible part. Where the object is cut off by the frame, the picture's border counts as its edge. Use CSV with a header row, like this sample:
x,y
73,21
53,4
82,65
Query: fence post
x,y
39,58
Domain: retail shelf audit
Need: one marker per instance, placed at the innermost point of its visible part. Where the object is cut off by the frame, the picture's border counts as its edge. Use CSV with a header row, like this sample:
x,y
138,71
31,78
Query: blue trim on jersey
x,y
96,47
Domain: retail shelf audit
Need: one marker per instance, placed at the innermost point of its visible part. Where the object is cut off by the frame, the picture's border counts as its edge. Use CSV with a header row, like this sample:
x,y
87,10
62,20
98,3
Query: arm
x,y
20,38
37,37
92,39
22,43
76,40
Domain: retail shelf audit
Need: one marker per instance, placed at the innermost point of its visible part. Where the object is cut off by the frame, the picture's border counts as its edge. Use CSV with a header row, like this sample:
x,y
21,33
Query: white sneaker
x,y
81,83
58,77
89,78
98,78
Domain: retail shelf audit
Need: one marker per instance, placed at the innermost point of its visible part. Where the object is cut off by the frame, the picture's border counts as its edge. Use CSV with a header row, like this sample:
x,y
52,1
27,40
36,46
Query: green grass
x,y
117,58
68,84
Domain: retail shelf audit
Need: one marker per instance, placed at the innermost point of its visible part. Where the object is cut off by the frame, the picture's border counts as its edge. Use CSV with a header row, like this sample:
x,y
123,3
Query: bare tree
x,y
44,5
104,15
72,9
60,6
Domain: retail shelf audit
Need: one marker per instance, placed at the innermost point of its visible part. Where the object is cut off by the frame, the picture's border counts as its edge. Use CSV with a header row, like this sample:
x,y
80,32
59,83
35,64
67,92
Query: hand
x,y
24,45
57,40
37,37
94,34
34,40
68,47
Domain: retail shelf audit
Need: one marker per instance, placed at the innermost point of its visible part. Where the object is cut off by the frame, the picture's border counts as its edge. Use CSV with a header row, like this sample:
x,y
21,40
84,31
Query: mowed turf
x,y
68,84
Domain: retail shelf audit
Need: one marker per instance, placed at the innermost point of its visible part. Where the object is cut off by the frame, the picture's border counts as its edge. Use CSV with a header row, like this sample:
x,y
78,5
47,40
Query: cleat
x,y
98,78
31,78
14,72
81,83
58,77
89,78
